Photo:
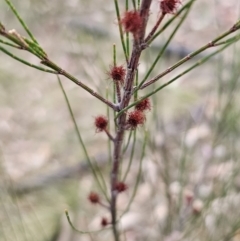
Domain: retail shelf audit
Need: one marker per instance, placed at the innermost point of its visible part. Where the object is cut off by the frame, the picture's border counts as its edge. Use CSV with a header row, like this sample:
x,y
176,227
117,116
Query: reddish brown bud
x,y
104,222
143,105
135,118
121,187
169,6
132,22
94,198
101,123
117,73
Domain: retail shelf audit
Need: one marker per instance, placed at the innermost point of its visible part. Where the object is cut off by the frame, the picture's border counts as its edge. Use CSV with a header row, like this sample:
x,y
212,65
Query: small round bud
x,y
93,198
143,105
104,222
117,73
101,123
135,118
121,187
169,6
132,22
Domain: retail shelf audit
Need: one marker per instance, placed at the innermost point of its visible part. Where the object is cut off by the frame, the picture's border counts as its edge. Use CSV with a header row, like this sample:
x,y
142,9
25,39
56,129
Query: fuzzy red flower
x,y
104,222
117,73
135,118
132,22
121,186
94,198
143,105
169,6
101,123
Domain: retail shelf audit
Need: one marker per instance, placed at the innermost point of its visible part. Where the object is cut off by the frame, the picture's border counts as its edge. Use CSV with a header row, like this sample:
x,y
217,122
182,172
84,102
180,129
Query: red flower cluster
x,y
94,198
143,105
135,118
104,222
101,123
169,6
121,187
117,73
132,22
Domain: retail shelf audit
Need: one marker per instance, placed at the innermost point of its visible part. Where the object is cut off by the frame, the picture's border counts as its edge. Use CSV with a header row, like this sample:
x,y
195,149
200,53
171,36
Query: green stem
x,y
9,44
52,65
131,156
79,231
164,48
120,30
169,22
138,176
200,62
185,59
21,21
26,63
80,138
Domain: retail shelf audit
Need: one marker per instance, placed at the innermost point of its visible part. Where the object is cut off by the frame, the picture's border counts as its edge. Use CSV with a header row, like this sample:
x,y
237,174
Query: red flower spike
x,y
117,73
169,6
101,123
121,187
104,222
132,22
94,198
136,118
143,105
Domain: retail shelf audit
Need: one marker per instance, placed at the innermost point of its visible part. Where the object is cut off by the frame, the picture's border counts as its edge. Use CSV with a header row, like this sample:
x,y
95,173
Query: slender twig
x,y
212,43
138,176
169,22
80,231
200,62
154,29
131,157
10,44
21,21
80,139
121,30
25,62
163,49
132,67
109,135
52,65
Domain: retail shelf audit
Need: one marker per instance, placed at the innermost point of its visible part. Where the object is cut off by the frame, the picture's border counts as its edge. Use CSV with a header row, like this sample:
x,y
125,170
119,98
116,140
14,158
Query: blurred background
x,y
190,183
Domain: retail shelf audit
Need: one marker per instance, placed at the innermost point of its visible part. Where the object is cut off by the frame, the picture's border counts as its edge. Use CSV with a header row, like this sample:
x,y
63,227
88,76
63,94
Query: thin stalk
x,y
129,81
109,135
109,126
52,65
128,141
80,138
212,43
114,87
164,48
154,29
131,156
120,29
21,21
200,62
9,44
36,50
25,62
134,4
80,231
127,34
169,22
100,175
138,176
